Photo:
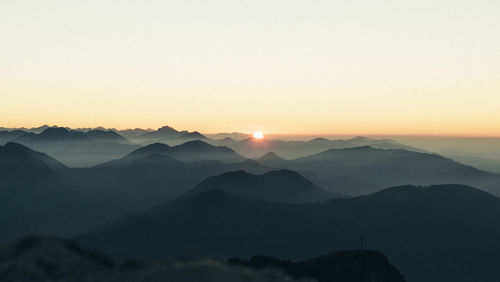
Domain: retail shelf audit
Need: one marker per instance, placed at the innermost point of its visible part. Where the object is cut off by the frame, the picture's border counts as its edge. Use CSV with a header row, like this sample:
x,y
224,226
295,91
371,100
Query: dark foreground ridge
x,y
51,259
355,265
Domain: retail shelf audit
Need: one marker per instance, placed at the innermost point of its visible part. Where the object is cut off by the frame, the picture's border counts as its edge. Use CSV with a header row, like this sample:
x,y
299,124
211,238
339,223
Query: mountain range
x,y
436,233
275,186
290,149
40,259
42,195
363,170
196,198
167,134
73,147
189,151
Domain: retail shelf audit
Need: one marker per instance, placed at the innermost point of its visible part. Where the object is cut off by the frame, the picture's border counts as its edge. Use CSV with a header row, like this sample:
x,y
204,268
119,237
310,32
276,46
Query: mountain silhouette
x,y
190,151
151,175
363,170
34,197
229,136
355,265
273,160
73,147
57,134
436,233
279,185
168,134
9,136
14,156
291,149
108,135
61,134
132,133
37,259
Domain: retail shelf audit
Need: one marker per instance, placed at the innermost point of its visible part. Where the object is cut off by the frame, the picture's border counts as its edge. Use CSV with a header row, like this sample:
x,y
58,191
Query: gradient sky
x,y
332,67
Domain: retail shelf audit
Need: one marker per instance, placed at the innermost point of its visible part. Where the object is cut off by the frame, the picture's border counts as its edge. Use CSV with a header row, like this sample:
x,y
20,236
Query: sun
x,y
258,135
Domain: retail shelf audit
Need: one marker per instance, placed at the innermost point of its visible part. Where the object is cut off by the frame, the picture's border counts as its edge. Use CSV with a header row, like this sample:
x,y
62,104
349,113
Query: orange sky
x,y
286,67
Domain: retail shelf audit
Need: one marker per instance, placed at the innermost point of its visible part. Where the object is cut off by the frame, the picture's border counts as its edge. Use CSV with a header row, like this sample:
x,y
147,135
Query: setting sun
x,y
258,135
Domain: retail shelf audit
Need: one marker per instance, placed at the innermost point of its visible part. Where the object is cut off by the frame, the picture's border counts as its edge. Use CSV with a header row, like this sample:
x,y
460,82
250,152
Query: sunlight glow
x,y
258,135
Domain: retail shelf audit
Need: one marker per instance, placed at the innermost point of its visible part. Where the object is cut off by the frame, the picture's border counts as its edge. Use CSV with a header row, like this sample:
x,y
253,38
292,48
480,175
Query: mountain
x,y
291,149
487,164
355,265
151,175
73,147
232,135
278,185
190,151
24,129
17,157
38,259
162,132
155,148
363,170
437,233
34,198
38,194
57,134
133,133
61,134
167,134
199,150
9,136
107,135
273,160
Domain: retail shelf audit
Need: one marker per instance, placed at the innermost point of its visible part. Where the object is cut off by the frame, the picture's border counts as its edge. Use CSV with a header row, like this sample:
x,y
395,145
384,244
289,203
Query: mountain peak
x,y
167,128
15,155
271,156
55,131
190,151
277,185
196,144
361,138
16,146
104,134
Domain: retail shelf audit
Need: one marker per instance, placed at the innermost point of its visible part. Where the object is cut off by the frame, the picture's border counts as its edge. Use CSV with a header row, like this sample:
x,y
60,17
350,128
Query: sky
x,y
296,67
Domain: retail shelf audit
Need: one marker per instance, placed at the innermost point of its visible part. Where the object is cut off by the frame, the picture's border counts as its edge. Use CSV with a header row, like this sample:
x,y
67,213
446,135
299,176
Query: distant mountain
x,y
233,135
442,233
355,265
107,135
278,185
9,136
149,176
38,194
33,129
73,147
132,133
189,152
487,164
363,170
167,134
60,134
44,259
290,149
162,132
273,160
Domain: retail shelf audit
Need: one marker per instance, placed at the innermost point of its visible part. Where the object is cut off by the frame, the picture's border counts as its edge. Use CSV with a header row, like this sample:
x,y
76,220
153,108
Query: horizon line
x,y
271,134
